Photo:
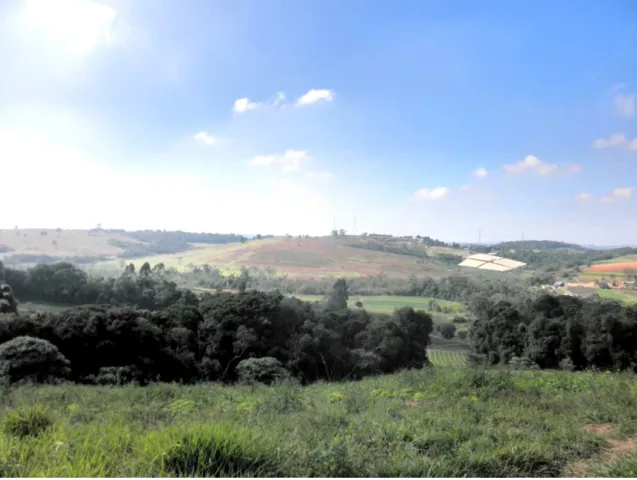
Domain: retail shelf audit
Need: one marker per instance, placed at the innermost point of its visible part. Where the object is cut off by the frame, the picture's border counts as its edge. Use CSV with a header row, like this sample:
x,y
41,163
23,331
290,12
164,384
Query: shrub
x,y
523,363
8,303
359,304
266,370
447,330
118,375
211,451
462,334
459,319
27,421
567,364
29,358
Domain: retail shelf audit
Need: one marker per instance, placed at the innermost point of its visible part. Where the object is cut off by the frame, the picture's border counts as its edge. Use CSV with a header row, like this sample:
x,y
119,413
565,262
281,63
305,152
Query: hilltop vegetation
x,y
541,245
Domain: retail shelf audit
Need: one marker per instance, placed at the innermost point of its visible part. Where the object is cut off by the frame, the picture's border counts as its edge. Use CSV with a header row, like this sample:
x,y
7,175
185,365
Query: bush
x,y
459,319
265,370
29,358
523,363
567,364
8,303
211,451
462,334
447,330
359,304
118,375
27,421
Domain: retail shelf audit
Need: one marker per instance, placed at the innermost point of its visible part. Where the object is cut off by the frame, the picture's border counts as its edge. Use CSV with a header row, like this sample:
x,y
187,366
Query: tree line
x,y
554,331
219,337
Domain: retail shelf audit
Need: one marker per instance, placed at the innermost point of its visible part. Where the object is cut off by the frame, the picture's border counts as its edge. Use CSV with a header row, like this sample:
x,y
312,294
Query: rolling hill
x,y
344,256
58,243
306,257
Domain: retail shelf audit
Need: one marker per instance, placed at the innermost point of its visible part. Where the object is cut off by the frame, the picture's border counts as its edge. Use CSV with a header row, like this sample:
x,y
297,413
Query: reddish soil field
x,y
612,267
308,258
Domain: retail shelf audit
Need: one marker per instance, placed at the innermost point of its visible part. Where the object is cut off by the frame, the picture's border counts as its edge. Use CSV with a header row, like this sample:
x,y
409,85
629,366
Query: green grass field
x,y
446,358
387,304
625,258
617,295
437,422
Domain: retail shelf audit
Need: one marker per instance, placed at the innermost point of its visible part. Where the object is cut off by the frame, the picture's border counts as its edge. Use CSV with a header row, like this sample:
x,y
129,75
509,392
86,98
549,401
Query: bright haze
x,y
417,117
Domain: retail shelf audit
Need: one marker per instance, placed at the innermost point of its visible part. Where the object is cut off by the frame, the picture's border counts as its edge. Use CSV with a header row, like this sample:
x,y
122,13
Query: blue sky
x,y
417,117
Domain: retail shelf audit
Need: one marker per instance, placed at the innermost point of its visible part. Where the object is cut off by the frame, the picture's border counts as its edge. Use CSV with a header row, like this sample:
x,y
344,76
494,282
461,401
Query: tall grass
x,y
434,422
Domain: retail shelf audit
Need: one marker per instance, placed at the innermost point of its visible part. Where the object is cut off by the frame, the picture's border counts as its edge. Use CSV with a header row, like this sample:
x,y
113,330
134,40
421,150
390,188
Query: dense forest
x,y
142,326
225,337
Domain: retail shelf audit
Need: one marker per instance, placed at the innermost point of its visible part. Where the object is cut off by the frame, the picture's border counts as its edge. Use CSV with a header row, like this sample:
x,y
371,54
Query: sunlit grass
x,y
434,422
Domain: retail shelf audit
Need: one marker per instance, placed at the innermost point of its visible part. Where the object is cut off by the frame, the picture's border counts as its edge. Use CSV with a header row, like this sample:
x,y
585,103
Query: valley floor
x,y
448,422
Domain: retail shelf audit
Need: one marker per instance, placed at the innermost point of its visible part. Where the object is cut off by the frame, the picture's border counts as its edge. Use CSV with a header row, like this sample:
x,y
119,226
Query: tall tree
x,y
338,296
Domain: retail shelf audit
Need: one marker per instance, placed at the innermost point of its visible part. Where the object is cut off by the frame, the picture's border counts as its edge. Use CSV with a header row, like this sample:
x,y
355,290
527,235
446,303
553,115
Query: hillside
x,y
306,257
58,243
538,245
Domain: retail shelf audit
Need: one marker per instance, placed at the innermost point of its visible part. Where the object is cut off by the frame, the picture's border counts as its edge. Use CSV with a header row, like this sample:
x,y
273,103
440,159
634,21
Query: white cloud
x,y
616,194
206,138
623,193
464,188
572,169
584,197
625,104
290,161
75,26
431,193
615,140
314,96
531,164
263,160
481,172
243,105
323,175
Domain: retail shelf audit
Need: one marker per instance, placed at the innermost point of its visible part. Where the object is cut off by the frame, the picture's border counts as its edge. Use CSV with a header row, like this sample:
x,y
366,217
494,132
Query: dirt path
x,y
584,468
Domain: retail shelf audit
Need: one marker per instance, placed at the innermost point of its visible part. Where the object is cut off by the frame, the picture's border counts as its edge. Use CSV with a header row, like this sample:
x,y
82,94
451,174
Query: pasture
x,y
623,295
447,358
387,304
314,257
436,422
62,243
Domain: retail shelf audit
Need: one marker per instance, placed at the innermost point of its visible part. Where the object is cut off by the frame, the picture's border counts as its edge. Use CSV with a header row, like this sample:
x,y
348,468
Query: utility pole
x,y
354,224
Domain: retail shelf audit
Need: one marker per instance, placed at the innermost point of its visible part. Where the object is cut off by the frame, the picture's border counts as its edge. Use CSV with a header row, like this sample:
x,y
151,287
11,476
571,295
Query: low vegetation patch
x,y
418,423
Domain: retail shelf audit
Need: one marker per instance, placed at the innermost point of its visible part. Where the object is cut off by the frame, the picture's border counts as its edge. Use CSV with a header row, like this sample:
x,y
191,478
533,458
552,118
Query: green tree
x,y
8,303
447,330
338,296
145,270
32,358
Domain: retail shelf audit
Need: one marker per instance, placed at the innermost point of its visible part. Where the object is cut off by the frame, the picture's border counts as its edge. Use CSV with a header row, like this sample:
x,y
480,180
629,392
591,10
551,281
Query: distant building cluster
x,y
485,261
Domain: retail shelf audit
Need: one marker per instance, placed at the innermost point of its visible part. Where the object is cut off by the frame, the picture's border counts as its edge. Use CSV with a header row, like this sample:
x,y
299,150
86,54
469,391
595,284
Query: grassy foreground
x,y
435,422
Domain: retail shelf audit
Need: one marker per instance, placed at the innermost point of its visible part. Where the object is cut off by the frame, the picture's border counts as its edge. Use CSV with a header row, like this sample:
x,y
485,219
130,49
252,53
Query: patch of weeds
x,y
491,383
332,460
181,406
211,451
29,421
335,397
284,399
